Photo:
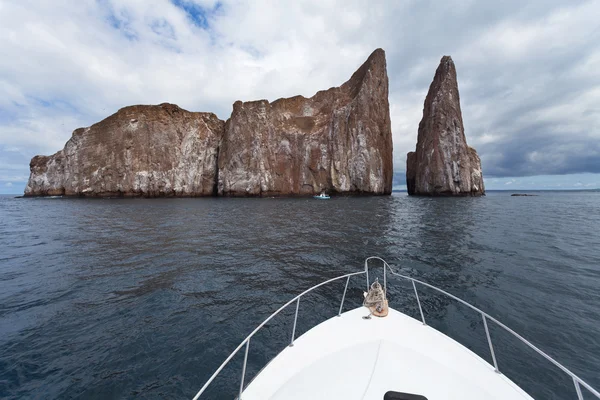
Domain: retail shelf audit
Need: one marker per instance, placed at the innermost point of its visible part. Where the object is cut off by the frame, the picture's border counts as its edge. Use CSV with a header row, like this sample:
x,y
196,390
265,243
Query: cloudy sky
x,y
528,71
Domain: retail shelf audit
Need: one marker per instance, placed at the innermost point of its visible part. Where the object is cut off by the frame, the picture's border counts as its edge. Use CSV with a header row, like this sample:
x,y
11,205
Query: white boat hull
x,y
348,357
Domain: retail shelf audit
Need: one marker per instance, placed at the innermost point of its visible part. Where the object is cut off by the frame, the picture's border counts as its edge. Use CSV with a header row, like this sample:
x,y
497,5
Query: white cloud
x,y
8,184
522,68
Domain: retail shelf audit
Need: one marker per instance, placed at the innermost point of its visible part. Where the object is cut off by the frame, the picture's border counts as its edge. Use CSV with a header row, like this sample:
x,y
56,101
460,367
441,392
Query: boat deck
x,y
348,357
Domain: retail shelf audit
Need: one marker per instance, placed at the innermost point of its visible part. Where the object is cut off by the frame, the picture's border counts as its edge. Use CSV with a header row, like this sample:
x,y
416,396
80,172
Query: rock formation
x,y
339,141
443,164
140,150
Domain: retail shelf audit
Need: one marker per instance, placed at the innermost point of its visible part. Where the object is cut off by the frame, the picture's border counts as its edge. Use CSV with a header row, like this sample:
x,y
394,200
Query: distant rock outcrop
x,y
443,164
338,141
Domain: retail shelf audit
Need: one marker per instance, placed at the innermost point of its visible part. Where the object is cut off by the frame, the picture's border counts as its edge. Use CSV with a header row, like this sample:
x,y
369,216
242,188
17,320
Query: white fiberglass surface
x,y
349,358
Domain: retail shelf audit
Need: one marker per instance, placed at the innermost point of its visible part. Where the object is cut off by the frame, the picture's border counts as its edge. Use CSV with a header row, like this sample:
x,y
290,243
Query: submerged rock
x,y
339,140
443,164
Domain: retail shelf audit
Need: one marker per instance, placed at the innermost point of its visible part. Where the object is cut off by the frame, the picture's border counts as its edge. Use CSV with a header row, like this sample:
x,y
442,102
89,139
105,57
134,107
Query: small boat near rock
x,y
322,196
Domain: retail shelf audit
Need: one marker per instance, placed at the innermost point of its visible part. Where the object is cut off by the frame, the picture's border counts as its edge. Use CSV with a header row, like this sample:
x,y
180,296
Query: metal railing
x,y
578,382
247,340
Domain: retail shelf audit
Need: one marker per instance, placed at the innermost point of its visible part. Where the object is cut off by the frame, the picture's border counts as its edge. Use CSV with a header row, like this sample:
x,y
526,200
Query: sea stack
x,y
140,150
443,164
338,141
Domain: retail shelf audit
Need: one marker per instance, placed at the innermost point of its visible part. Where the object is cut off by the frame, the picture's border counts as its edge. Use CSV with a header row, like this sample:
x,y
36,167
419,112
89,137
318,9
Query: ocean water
x,y
144,298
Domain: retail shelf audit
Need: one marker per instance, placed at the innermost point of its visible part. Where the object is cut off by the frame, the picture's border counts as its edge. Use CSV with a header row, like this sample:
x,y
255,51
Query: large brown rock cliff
x,y
339,140
138,151
443,164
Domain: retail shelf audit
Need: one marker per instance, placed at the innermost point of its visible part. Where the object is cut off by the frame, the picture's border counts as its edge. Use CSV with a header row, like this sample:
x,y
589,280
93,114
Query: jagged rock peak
x,y
374,65
443,164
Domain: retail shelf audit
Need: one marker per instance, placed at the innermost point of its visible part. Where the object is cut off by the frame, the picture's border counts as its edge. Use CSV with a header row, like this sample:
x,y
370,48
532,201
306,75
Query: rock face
x,y
141,150
339,140
443,164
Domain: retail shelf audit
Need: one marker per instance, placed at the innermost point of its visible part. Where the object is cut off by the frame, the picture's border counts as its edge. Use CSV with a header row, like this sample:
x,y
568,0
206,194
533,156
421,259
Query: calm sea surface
x,y
144,298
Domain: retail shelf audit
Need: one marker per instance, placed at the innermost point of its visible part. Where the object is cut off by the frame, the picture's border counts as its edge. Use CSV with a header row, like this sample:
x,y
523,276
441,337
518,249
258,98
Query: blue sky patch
x,y
120,21
199,15
163,28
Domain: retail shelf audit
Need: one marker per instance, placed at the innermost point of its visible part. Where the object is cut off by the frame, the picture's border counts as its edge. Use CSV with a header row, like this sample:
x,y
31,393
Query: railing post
x,y
489,339
418,302
244,369
384,278
578,389
295,320
343,297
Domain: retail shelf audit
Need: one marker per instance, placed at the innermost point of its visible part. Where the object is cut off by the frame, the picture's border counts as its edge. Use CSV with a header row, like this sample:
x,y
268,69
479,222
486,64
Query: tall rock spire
x,y
443,164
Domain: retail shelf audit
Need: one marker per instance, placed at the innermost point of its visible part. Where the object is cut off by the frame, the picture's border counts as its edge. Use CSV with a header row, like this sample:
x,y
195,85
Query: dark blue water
x,y
145,298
